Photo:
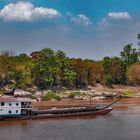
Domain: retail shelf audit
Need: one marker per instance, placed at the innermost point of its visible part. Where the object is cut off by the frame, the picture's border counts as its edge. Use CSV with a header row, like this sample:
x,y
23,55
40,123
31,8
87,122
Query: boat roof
x,y
10,99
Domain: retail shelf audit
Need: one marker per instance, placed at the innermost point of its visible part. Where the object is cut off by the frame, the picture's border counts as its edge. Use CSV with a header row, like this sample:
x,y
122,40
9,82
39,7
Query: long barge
x,y
70,112
60,113
21,109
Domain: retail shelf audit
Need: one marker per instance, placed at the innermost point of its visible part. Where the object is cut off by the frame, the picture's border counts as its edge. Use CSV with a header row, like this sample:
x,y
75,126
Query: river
x,y
123,123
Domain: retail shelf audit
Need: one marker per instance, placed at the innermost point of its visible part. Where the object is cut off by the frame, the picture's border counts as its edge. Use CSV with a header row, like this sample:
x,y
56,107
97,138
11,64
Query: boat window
x,y
10,104
22,103
2,103
16,111
10,111
16,104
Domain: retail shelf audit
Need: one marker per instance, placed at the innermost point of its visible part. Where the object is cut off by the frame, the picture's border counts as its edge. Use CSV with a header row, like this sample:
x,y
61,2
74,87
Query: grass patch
x,y
128,93
50,96
72,95
33,97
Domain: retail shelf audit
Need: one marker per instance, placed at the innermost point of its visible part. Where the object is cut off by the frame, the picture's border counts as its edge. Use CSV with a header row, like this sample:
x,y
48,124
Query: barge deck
x,y
61,113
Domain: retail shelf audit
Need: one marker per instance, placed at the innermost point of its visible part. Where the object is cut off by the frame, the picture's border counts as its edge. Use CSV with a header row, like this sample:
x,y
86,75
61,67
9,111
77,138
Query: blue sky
x,y
81,28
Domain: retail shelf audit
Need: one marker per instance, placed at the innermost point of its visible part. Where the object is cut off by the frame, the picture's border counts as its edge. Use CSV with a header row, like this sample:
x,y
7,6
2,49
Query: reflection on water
x,y
123,123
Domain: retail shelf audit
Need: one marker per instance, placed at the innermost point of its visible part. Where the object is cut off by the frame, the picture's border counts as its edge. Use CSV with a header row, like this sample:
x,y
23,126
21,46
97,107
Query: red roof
x,y
9,99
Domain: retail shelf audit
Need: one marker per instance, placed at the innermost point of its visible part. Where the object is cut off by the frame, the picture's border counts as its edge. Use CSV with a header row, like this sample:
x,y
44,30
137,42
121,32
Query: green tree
x,y
139,46
69,75
7,67
116,68
44,68
23,76
61,60
109,80
129,54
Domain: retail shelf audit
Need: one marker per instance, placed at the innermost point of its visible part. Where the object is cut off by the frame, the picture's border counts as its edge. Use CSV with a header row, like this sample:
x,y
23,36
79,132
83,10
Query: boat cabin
x,y
15,106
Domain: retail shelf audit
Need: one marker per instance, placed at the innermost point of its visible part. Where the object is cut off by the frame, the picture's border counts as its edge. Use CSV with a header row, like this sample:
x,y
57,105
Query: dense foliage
x,y
47,68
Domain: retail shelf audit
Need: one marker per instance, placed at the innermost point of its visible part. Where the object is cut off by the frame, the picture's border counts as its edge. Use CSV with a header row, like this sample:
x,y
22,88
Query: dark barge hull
x,y
55,116
78,114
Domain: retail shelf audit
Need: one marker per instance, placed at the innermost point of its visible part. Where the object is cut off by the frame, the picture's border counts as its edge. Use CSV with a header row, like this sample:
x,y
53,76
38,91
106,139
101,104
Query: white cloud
x,y
81,20
25,11
119,16
113,17
69,14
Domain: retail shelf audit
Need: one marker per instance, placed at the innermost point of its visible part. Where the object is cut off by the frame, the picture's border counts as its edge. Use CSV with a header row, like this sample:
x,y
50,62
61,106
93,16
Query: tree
x,y
139,46
61,62
133,74
116,69
109,80
44,68
129,54
81,68
60,55
138,36
96,73
23,76
69,76
7,67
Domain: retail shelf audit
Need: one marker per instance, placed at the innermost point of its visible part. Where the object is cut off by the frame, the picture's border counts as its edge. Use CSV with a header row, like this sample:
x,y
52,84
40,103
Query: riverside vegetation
x,y
46,69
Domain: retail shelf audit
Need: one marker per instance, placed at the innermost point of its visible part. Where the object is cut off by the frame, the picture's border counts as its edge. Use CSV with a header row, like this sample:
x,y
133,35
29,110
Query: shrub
x,y
128,93
51,95
73,94
33,97
109,80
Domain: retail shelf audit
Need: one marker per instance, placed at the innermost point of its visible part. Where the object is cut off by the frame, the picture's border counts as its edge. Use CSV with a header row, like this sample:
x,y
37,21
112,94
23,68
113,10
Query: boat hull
x,y
78,114
57,116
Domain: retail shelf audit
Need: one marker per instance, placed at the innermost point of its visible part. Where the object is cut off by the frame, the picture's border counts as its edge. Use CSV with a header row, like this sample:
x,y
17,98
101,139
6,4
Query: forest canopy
x,y
47,68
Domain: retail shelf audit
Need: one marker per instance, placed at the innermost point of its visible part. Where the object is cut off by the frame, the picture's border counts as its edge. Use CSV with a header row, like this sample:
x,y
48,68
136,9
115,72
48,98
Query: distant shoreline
x,y
98,92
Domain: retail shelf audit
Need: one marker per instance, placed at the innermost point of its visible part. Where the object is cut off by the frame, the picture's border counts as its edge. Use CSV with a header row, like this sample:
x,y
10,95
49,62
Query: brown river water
x,y
123,123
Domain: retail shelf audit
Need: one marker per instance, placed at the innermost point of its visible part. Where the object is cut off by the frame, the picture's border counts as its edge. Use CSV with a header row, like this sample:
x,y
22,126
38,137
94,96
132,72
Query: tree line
x,y
47,68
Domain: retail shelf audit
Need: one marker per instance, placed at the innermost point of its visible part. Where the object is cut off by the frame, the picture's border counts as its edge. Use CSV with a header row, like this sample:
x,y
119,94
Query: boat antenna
x,y
112,103
90,99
